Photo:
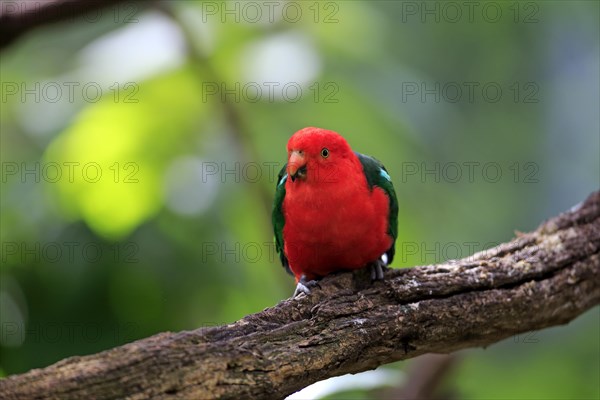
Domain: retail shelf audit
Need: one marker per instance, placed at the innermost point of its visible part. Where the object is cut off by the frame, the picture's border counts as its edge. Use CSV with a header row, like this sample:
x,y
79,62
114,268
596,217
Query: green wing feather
x,y
377,175
278,217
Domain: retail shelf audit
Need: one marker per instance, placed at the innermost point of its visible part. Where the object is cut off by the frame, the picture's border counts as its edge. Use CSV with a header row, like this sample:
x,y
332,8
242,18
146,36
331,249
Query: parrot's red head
x,y
315,154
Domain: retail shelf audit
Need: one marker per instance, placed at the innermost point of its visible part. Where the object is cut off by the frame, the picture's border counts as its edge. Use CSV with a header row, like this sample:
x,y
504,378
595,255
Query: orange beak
x,y
296,167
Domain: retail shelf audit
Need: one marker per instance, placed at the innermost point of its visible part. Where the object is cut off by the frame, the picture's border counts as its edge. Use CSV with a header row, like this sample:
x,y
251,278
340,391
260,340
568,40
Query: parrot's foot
x,y
304,286
377,270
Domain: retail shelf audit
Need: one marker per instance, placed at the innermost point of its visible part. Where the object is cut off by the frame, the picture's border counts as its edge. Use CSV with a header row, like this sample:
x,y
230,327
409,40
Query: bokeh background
x,y
140,146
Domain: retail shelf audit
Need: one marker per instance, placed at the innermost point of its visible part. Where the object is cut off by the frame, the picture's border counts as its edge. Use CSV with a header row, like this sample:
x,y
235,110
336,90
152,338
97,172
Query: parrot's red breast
x,y
333,219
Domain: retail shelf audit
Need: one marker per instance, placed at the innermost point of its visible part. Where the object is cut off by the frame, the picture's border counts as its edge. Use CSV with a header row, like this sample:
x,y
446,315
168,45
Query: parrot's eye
x,y
324,152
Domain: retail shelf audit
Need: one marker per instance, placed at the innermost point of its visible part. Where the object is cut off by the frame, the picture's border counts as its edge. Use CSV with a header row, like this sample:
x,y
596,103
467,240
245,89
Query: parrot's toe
x,y
301,288
377,270
304,286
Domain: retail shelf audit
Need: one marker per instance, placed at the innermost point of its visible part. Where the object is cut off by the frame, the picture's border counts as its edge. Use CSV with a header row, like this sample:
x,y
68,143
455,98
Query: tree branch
x,y
19,17
540,279
424,378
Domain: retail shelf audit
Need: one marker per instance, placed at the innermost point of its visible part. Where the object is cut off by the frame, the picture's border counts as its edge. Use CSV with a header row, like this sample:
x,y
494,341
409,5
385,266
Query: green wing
x,y
278,218
377,175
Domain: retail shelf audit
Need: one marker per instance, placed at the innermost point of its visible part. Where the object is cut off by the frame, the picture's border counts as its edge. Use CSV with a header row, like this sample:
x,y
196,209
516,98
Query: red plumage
x,y
333,220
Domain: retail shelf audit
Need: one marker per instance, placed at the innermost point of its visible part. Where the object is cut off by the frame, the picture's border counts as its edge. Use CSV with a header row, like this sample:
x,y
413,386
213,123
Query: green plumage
x,y
278,218
377,175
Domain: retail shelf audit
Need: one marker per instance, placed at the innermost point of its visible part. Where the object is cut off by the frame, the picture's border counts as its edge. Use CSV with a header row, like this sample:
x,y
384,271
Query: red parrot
x,y
334,209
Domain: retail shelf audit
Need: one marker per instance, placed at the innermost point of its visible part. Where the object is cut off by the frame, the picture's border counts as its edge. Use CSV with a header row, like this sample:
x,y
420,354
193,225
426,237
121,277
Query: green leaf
x,y
116,151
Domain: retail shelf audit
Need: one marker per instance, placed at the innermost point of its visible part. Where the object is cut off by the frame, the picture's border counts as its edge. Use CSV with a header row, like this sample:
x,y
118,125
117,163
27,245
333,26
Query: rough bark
x,y
540,279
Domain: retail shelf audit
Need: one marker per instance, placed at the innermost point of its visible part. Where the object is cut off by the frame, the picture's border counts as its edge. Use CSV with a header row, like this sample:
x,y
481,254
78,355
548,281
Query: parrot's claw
x,y
303,286
377,270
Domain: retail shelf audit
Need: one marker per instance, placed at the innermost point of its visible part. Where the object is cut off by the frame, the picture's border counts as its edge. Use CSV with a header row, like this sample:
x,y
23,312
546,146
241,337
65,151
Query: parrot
x,y
334,210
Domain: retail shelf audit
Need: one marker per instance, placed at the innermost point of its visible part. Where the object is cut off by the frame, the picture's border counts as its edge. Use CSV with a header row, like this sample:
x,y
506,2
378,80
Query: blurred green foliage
x,y
145,208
